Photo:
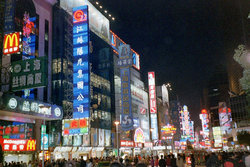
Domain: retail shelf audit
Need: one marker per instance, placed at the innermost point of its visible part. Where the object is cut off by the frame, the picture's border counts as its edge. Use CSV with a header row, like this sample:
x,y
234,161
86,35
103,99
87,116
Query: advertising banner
x,y
18,144
217,136
44,141
81,76
126,114
225,118
22,131
152,94
139,136
98,23
9,16
116,42
30,73
31,107
11,43
101,137
29,36
126,143
75,126
152,105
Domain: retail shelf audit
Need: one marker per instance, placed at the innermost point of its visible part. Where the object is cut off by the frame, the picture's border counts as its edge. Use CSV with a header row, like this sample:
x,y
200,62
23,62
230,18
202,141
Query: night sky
x,y
181,40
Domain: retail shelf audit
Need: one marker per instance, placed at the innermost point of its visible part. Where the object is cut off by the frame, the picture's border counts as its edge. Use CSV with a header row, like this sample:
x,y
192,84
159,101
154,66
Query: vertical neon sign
x,y
81,73
153,108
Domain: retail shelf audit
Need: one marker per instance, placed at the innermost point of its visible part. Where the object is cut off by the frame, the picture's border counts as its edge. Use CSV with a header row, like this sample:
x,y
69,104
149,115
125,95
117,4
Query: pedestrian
x,y
162,162
247,160
173,161
168,161
156,161
152,162
180,161
192,160
82,162
212,161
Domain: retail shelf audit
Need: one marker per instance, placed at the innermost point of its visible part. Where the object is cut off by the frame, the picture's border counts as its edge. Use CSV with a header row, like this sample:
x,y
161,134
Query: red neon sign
x,y
18,144
152,98
79,16
11,43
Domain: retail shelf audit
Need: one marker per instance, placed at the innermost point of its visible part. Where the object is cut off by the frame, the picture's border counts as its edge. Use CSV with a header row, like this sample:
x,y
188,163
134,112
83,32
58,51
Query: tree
x,y
242,56
244,138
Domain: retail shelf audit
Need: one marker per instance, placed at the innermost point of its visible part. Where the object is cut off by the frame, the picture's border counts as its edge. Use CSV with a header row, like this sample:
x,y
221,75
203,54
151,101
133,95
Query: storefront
x,y
137,149
159,150
147,149
17,150
97,152
126,148
62,153
84,152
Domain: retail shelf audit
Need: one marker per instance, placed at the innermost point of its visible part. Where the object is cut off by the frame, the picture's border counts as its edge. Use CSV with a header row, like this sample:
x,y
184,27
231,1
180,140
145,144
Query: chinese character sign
x,y
30,73
126,115
18,144
152,98
81,76
75,126
9,15
152,103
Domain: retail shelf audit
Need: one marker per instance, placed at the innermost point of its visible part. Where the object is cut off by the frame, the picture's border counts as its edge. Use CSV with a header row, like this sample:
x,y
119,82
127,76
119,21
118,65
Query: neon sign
x,y
139,136
18,144
74,126
11,43
81,76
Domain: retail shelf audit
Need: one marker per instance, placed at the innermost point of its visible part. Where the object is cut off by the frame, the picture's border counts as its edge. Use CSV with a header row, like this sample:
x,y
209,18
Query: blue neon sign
x,y
81,73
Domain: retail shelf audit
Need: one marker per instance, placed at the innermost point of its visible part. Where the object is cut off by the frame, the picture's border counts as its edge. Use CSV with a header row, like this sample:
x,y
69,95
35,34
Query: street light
x,y
117,141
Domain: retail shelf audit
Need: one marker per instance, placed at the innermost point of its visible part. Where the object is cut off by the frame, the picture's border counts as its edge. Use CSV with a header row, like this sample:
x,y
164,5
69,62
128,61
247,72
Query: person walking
x,y
180,161
162,162
192,160
168,161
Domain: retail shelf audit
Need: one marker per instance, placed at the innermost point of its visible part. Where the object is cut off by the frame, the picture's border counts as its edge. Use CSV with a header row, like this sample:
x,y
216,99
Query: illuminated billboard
x,y
11,43
152,105
205,123
29,36
74,126
98,23
81,73
115,42
29,73
152,94
225,118
217,136
127,122
139,136
18,144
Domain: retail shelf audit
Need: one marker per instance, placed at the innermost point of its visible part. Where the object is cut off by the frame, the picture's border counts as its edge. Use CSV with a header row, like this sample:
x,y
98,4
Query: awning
x,y
62,149
84,149
98,148
159,148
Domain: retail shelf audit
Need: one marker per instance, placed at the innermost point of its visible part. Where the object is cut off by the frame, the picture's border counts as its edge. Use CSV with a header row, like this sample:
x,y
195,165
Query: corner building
x,y
24,108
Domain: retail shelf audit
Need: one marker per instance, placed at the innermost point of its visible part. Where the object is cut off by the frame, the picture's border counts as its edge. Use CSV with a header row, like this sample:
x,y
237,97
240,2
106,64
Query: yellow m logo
x,y
31,145
11,43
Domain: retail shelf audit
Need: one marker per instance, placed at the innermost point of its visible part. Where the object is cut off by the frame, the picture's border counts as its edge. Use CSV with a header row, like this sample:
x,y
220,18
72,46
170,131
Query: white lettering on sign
x,y
37,65
27,67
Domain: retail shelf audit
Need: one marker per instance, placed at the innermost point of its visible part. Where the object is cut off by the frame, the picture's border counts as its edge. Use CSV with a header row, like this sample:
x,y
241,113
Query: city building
x,y
26,90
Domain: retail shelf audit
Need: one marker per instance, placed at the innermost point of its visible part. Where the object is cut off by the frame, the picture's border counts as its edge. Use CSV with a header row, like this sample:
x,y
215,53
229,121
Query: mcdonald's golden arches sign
x,y
11,43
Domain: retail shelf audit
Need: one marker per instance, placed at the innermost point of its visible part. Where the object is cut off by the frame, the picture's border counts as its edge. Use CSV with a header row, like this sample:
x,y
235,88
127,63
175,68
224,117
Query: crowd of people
x,y
221,159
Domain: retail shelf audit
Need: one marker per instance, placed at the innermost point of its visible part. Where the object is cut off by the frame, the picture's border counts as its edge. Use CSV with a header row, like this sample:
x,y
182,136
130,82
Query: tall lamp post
x,y
117,140
44,109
